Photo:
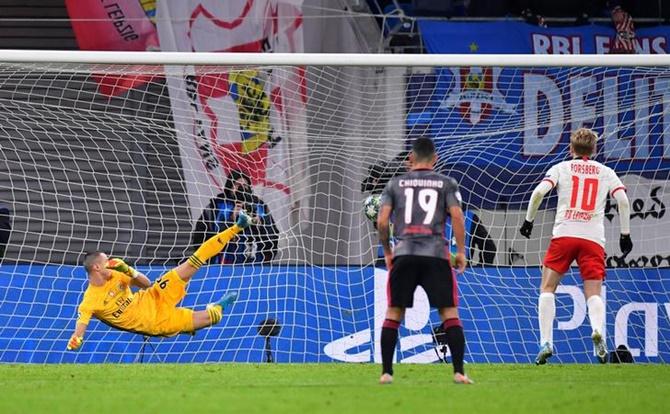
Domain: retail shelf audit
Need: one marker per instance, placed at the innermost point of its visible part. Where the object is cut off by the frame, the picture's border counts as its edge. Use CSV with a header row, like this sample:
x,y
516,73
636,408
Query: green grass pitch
x,y
332,388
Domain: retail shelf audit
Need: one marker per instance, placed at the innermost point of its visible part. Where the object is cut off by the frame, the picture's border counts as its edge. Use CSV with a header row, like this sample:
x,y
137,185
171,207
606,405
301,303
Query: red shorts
x,y
590,257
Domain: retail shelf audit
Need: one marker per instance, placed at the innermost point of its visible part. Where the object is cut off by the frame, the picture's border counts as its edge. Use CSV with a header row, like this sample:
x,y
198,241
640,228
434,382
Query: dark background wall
x,y
35,24
73,182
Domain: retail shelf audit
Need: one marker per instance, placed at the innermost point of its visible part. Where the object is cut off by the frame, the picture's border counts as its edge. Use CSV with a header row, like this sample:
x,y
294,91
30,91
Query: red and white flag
x,y
115,25
248,119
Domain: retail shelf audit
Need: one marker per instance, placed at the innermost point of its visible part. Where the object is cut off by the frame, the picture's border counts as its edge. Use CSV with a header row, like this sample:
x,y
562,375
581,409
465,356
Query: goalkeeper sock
x,y
389,340
456,342
215,313
547,312
213,246
215,310
596,308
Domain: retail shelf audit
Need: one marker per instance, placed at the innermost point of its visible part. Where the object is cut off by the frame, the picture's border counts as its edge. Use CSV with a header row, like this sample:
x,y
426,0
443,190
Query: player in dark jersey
x,y
419,202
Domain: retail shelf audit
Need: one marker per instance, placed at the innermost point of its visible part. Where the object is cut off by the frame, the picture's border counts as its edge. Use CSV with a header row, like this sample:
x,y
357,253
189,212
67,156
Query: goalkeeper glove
x,y
526,229
625,244
75,343
121,266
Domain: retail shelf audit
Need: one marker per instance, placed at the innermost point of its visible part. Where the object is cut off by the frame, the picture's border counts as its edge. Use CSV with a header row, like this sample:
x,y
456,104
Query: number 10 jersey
x,y
583,186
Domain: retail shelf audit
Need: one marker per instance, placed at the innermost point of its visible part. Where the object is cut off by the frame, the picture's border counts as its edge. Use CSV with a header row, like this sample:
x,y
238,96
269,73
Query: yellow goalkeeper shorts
x,y
172,321
167,291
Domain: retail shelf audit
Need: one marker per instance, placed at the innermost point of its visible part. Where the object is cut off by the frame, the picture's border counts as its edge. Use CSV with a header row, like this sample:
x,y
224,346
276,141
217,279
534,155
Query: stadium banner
x,y
250,120
335,314
115,25
498,130
649,200
536,109
511,37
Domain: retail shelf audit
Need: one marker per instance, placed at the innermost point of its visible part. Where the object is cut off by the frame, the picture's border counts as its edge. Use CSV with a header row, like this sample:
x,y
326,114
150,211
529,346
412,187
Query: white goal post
x,y
138,154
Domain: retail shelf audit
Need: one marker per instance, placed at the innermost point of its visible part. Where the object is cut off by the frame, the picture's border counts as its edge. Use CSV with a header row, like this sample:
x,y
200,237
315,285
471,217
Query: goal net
x,y
145,159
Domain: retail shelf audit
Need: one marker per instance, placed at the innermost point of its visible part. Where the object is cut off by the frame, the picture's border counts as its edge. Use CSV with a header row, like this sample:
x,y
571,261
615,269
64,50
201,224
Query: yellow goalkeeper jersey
x,y
115,304
149,311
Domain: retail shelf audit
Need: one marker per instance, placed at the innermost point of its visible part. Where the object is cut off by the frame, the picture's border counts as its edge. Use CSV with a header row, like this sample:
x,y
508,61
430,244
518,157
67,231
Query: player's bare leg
x,y
547,313
389,339
453,329
596,309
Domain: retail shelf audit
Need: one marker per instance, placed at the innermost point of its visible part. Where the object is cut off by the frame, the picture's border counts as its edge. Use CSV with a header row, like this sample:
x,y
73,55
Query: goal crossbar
x,y
327,59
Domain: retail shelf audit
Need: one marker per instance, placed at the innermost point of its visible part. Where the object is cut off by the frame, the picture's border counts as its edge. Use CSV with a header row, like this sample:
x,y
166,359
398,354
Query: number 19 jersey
x,y
583,186
420,200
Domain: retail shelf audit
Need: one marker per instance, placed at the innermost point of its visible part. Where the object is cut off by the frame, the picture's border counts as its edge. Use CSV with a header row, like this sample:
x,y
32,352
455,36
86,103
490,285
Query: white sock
x,y
596,308
547,313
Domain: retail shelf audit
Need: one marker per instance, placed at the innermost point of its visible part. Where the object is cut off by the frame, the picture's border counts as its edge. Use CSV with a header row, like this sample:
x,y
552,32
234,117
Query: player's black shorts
x,y
431,273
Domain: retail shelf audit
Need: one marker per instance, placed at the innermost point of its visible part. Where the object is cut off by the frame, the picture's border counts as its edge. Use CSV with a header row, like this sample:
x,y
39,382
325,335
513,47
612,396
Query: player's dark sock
x,y
389,340
456,342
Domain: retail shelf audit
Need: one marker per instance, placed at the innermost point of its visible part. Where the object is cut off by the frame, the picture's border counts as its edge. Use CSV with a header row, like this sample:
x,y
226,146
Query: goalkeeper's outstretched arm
x,y
77,338
85,315
138,279
141,281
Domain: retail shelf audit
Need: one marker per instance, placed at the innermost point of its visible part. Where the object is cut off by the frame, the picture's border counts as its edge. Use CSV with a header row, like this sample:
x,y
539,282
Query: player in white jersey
x,y
579,234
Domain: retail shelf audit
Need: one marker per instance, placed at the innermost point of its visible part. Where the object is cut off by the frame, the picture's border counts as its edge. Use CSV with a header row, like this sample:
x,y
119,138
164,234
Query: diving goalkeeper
x,y
153,309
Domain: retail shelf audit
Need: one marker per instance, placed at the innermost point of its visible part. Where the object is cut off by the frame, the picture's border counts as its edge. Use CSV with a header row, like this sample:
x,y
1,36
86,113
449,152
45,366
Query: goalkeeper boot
x,y
599,344
227,300
462,379
386,379
243,220
546,351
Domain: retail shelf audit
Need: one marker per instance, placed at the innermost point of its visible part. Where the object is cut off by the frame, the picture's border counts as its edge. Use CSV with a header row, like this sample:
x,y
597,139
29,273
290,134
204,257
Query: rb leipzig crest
x,y
475,94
